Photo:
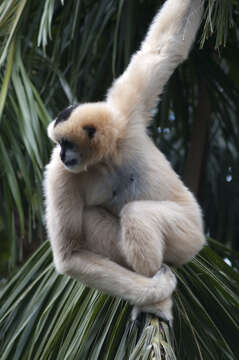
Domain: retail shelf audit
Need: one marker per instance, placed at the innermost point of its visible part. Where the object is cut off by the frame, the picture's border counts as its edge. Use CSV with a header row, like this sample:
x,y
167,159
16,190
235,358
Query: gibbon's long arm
x,y
102,273
167,44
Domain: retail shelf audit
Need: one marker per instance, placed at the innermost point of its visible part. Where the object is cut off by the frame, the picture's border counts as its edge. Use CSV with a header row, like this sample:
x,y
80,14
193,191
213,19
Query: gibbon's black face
x,y
71,154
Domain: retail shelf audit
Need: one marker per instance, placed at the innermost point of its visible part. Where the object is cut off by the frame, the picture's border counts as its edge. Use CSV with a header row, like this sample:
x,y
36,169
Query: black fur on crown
x,y
64,115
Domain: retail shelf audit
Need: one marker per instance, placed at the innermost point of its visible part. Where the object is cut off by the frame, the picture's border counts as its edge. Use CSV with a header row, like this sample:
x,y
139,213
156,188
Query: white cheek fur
x,y
50,131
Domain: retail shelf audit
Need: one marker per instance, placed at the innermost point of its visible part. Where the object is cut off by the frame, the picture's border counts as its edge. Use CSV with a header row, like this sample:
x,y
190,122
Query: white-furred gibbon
x,y
116,211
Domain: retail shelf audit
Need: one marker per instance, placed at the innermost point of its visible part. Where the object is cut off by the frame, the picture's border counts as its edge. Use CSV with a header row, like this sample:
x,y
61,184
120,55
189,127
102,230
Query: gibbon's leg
x,y
101,233
100,272
166,45
152,232
141,240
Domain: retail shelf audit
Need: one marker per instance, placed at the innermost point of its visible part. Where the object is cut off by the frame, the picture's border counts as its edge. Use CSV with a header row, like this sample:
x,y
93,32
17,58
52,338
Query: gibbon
x,y
116,211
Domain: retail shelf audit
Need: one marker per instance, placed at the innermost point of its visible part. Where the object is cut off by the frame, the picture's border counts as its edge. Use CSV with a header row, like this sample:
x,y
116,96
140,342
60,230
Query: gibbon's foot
x,y
162,310
166,282
160,287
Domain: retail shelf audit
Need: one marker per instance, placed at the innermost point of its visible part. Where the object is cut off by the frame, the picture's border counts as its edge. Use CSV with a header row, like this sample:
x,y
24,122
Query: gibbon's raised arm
x,y
167,44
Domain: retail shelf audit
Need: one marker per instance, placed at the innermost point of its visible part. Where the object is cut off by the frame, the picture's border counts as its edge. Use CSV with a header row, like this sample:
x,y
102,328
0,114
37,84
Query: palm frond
x,y
10,15
47,316
218,20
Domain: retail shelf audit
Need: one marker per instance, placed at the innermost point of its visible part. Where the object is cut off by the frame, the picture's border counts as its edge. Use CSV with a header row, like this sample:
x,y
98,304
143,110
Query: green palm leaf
x,y
48,316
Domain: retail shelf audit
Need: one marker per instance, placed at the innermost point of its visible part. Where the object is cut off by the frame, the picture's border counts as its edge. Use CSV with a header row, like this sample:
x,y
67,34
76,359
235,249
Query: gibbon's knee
x,y
141,239
66,266
64,263
152,232
184,236
183,246
62,267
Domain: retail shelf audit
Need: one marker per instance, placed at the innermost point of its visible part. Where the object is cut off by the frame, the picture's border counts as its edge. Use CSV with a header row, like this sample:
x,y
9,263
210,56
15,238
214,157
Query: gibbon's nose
x,y
71,162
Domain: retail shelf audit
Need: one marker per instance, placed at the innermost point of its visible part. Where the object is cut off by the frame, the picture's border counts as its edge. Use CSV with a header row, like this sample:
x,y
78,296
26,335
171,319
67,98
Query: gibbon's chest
x,y
125,184
112,186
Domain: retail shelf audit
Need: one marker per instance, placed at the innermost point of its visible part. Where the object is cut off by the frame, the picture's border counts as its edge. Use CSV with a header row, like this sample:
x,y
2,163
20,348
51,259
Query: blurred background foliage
x,y
54,53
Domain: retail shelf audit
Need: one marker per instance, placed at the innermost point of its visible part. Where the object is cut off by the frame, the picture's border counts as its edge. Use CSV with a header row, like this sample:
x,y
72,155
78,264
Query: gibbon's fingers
x,y
167,44
101,273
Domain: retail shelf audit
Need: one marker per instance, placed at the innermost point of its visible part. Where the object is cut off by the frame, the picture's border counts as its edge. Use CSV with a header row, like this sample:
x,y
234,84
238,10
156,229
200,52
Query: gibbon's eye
x,y
90,131
64,115
66,144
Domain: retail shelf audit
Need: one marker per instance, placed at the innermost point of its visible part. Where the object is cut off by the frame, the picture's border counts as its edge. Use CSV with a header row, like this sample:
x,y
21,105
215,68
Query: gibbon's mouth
x,y
73,169
70,158
73,166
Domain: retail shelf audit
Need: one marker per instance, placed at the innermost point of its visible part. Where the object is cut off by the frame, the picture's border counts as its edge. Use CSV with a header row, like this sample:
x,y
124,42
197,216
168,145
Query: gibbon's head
x,y
87,134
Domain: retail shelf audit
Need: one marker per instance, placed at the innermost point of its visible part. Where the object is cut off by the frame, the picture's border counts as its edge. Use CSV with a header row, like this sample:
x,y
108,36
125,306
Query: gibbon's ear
x,y
50,131
90,130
